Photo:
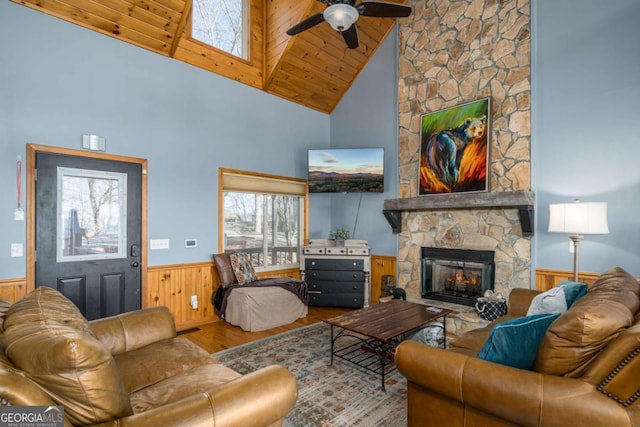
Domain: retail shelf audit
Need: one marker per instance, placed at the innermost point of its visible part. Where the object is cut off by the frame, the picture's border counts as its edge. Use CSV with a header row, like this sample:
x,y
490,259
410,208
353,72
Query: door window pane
x,y
92,215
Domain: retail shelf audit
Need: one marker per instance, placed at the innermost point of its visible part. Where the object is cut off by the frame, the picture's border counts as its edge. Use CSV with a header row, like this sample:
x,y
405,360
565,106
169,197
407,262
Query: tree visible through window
x,y
91,215
221,24
266,226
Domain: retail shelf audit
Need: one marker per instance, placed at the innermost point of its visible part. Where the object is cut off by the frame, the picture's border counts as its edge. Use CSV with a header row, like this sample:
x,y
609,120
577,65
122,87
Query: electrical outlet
x,y
194,302
572,248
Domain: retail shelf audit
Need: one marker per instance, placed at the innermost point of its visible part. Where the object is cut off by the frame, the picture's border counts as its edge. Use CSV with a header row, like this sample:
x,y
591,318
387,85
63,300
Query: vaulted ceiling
x,y
314,68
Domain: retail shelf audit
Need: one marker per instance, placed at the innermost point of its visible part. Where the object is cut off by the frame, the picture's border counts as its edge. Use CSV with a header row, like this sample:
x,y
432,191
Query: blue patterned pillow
x,y
515,342
242,268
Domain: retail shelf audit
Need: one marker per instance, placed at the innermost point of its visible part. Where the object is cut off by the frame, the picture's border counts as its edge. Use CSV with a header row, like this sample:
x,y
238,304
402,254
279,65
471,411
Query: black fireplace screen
x,y
456,275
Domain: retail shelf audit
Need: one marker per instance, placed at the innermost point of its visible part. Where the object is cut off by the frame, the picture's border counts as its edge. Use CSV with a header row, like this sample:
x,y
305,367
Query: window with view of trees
x,y
264,217
221,24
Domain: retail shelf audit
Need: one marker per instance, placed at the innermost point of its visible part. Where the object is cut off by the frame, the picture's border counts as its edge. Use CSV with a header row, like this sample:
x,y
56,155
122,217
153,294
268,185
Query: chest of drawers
x,y
337,276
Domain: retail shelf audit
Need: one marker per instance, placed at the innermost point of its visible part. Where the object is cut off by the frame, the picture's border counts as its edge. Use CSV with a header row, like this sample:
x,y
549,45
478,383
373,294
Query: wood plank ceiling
x,y
314,68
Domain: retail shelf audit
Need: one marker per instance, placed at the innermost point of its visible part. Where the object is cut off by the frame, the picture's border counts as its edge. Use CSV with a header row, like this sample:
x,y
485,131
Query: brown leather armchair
x,y
127,370
586,372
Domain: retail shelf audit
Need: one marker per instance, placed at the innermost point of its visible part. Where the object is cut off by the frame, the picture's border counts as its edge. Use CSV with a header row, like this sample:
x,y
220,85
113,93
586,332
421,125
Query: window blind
x,y
237,181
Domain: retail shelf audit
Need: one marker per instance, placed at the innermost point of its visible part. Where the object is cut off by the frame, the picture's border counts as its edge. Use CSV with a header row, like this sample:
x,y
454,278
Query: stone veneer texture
x,y
453,52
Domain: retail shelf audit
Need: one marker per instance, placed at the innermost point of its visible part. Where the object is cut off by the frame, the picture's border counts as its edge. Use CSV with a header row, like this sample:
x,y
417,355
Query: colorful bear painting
x,y
453,149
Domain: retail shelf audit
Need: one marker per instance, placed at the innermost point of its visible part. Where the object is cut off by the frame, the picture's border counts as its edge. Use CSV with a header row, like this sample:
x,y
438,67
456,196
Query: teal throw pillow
x,y
515,342
573,291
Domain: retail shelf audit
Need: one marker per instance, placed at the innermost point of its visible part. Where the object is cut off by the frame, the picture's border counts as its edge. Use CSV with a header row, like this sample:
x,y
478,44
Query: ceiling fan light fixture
x,y
340,16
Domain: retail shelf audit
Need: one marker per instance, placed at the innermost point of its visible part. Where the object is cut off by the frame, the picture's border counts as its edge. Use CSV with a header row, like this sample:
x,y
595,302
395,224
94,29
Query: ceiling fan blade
x,y
350,36
311,21
381,9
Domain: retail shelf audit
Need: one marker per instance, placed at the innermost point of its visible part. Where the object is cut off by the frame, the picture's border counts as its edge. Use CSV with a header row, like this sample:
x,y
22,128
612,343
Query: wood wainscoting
x,y
13,289
547,279
173,286
380,266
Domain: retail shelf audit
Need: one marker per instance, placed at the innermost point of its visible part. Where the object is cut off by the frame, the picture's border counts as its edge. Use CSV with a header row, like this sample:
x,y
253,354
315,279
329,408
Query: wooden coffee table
x,y
380,328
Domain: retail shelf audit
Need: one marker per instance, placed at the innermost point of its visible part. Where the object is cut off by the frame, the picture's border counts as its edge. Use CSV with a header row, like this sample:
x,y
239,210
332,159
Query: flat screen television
x,y
346,170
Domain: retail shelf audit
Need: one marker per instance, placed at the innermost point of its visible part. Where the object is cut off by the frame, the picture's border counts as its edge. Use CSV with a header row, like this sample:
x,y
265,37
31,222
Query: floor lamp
x,y
577,219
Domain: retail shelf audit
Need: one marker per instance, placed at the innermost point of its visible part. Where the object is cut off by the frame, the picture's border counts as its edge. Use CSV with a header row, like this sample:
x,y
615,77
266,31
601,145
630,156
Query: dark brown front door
x,y
88,231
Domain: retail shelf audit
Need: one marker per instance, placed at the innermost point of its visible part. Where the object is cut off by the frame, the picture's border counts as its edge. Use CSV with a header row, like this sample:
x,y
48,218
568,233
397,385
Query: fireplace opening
x,y
458,276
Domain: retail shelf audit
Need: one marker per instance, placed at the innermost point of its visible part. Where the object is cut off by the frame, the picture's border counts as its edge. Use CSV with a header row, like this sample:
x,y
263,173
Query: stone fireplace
x,y
452,52
458,276
494,223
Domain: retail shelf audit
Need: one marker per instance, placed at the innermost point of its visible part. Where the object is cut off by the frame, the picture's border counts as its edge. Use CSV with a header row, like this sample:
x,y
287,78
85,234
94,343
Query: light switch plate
x,y
18,214
159,244
16,250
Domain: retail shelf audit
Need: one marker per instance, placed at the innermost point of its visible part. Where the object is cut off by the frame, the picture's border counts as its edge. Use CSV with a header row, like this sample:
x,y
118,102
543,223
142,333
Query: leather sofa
x,y
586,370
127,370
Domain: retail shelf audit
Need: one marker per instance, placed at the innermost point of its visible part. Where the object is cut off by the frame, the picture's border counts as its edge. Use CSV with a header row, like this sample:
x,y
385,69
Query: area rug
x,y
337,395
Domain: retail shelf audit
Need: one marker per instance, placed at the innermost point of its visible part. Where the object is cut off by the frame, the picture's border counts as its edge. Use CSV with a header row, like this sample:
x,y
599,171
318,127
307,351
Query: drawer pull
x,y
314,292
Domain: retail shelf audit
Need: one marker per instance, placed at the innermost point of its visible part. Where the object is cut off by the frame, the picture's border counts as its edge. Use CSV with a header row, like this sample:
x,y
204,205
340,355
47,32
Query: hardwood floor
x,y
220,335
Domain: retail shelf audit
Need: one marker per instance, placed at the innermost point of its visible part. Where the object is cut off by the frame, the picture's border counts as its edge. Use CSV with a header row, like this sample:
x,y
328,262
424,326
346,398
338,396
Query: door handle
x,y
135,264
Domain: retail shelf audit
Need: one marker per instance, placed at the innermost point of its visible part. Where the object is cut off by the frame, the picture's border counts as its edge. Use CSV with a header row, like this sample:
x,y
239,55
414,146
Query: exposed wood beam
x,y
186,13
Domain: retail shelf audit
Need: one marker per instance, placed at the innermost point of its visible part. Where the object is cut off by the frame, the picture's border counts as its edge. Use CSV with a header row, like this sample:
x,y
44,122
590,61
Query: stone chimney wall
x,y
453,52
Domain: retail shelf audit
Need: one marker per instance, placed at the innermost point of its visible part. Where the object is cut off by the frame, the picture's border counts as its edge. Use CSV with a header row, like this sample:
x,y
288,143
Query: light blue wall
x,y
59,81
585,138
367,116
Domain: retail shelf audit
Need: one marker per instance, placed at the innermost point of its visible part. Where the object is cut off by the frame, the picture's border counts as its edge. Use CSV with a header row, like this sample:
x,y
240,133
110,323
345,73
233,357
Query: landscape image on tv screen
x,y
346,170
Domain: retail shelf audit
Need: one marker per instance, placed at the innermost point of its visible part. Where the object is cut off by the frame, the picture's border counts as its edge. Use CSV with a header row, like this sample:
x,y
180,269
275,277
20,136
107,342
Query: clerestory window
x,y
222,24
264,216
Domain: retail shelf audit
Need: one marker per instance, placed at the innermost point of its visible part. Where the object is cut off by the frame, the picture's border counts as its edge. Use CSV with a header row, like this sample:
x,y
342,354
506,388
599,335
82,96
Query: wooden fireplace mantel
x,y
522,200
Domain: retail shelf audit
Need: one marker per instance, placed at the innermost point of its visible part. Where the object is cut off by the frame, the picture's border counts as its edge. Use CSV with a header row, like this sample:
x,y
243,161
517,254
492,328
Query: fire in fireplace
x,y
456,275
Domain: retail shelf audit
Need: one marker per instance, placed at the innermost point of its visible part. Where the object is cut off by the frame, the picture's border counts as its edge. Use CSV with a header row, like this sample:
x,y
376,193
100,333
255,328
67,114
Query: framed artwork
x,y
454,149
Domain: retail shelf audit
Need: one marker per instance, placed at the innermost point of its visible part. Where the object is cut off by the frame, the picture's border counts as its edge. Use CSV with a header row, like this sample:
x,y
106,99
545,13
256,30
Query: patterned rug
x,y
337,395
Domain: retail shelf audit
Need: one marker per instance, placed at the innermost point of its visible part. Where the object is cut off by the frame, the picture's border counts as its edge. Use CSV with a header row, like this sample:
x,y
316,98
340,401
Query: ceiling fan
x,y
342,15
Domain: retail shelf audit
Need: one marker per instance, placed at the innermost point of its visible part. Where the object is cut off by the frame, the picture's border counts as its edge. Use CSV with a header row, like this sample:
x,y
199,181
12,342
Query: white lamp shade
x,y
340,16
578,218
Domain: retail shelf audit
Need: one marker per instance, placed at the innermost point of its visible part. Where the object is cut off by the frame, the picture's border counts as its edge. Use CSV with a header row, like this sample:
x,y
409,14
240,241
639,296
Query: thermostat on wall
x,y
190,243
